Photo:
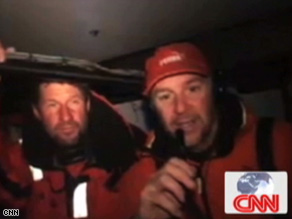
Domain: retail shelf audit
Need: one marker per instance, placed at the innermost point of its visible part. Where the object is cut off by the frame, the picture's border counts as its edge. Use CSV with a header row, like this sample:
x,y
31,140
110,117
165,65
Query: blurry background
x,y
249,40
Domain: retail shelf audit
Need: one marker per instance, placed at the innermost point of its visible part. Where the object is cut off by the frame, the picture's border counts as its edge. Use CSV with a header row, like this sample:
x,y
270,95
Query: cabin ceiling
x,y
122,34
100,30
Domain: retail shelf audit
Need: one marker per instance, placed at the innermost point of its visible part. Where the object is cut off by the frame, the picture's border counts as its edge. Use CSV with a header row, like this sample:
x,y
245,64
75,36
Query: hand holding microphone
x,y
168,192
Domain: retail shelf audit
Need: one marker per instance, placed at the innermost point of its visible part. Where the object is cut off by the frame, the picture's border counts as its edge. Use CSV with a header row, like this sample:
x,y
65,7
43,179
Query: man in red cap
x,y
199,135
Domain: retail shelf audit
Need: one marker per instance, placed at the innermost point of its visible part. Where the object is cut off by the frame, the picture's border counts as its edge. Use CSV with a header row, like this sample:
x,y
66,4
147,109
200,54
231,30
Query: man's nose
x,y
65,114
180,105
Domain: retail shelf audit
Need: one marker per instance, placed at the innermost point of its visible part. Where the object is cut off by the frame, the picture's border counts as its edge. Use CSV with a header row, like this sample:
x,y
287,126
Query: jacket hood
x,y
110,142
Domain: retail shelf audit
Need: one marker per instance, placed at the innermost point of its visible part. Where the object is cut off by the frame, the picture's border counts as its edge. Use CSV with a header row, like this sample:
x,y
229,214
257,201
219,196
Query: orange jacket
x,y
244,158
50,192
48,197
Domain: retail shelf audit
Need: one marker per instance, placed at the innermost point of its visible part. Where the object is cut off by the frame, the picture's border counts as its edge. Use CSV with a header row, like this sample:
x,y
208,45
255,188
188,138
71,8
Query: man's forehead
x,y
57,84
55,88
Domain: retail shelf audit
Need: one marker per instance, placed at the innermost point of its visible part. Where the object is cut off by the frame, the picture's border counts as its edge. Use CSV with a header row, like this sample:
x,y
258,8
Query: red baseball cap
x,y
178,58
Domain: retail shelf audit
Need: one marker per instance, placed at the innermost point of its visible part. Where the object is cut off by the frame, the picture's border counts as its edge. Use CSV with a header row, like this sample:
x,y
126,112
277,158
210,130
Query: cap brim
x,y
148,89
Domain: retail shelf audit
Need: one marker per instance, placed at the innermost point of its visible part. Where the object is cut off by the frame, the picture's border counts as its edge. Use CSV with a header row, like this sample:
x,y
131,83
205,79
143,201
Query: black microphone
x,y
190,204
183,153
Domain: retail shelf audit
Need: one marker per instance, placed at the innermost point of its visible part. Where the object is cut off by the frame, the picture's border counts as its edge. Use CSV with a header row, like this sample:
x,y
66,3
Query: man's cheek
x,y
170,125
166,119
52,124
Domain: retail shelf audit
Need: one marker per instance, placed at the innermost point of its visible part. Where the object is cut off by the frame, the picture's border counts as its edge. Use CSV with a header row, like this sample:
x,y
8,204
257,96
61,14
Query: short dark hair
x,y
35,89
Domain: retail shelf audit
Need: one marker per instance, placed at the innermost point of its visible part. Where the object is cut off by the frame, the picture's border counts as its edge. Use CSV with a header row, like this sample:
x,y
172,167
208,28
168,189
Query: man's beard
x,y
73,151
205,139
66,141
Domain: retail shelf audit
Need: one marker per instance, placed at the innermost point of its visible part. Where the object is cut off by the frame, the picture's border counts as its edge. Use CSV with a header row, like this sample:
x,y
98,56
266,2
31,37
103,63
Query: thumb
x,y
2,53
10,50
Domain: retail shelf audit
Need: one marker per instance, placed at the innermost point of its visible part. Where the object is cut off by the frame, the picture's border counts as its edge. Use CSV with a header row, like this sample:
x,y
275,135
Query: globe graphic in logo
x,y
255,183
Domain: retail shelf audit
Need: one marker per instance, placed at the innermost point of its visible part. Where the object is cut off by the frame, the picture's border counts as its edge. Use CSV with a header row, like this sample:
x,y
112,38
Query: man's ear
x,y
36,112
88,105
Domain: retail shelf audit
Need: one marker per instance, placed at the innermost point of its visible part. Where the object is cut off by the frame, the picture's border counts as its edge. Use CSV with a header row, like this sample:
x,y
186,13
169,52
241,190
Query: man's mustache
x,y
182,119
66,124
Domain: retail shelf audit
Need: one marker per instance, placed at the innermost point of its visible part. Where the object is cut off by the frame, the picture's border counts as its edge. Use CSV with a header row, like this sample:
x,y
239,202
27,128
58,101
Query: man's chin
x,y
66,142
193,141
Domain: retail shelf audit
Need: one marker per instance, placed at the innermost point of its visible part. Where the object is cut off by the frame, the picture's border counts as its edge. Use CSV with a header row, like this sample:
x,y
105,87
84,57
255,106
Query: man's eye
x,y
76,101
162,97
51,105
194,88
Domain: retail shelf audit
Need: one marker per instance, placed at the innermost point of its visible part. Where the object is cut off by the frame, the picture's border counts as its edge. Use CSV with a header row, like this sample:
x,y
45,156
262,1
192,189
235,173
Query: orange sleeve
x,y
133,183
15,177
283,155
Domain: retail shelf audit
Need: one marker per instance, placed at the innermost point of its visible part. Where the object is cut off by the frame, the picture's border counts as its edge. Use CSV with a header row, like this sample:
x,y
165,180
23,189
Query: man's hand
x,y
165,194
4,52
